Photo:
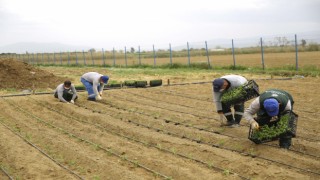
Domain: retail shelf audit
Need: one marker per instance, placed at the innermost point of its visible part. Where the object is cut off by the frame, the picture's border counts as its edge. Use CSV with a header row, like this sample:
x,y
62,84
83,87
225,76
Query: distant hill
x,y
217,43
33,47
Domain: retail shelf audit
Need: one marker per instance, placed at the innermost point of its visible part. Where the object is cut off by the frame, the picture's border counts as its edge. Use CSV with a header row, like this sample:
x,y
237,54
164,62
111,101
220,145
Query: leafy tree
x,y
92,50
303,43
132,50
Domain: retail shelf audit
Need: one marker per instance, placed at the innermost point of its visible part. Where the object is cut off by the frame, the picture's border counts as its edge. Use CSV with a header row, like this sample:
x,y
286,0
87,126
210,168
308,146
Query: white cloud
x,y
108,23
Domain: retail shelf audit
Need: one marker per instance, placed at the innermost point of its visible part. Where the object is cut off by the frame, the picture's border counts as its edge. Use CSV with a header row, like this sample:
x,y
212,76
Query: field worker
x,y
269,107
222,85
66,92
94,83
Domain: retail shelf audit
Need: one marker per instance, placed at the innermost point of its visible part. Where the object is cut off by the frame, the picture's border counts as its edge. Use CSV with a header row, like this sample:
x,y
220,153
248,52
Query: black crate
x,y
292,124
141,84
156,82
251,90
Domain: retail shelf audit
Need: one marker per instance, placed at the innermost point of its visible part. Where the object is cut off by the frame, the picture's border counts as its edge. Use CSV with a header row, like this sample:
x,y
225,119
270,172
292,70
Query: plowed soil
x,y
20,75
169,132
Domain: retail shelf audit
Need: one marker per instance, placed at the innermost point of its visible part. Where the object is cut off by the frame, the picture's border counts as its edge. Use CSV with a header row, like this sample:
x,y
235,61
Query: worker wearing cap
x,y
269,107
66,92
222,85
94,83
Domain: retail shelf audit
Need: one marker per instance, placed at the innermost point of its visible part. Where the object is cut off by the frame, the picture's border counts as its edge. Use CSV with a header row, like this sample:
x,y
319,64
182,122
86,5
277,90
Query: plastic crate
x,y
141,84
250,90
156,82
292,124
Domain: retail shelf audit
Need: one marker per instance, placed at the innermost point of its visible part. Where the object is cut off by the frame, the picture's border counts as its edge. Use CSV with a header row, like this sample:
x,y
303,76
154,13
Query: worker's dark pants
x,y
67,95
238,112
264,119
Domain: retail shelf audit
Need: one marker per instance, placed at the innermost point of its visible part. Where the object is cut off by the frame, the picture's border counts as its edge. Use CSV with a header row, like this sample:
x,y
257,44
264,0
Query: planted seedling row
x,y
300,137
5,172
80,139
111,120
147,144
217,146
203,117
40,150
188,125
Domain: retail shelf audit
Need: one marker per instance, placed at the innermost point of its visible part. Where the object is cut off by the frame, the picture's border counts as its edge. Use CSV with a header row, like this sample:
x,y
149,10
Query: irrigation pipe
x,y
5,172
217,146
41,151
185,96
220,147
138,141
177,84
198,128
108,150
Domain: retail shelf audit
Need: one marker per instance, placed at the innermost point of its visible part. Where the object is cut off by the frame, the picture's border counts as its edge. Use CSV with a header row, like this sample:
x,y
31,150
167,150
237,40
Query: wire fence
x,y
263,53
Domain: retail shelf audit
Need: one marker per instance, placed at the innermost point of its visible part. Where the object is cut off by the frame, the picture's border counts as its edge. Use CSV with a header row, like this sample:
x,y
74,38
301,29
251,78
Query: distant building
x,y
217,49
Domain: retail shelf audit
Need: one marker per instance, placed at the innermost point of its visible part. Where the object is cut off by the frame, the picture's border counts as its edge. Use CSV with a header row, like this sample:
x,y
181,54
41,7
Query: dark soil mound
x,y
21,75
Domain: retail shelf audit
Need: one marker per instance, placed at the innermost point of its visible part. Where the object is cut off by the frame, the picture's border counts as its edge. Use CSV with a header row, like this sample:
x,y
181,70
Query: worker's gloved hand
x,y
98,97
254,124
100,93
72,101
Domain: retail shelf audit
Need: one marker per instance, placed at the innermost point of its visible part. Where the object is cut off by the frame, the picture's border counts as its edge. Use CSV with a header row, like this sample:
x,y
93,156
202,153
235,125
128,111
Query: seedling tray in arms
x,y
286,124
241,94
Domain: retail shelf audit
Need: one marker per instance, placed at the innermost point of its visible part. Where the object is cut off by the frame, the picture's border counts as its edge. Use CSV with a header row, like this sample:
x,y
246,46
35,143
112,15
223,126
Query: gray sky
x,y
106,23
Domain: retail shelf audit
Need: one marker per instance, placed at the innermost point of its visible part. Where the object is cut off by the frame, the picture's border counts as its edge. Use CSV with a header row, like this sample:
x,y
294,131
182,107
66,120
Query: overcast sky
x,y
108,23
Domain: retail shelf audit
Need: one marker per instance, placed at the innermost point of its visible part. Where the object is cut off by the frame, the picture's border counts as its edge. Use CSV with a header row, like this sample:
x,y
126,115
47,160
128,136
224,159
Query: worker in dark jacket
x,y
269,107
66,92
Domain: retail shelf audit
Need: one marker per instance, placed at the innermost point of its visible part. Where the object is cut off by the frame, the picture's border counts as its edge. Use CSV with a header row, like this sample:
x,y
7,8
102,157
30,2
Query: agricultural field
x,y
165,132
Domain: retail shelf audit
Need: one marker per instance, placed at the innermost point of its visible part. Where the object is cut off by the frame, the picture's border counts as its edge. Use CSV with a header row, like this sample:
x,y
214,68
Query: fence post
x,y
32,58
154,56
68,58
54,58
262,52
188,53
28,59
139,55
125,55
48,58
207,52
104,63
114,57
36,57
234,58
60,58
84,58
170,54
42,60
296,44
76,57
91,57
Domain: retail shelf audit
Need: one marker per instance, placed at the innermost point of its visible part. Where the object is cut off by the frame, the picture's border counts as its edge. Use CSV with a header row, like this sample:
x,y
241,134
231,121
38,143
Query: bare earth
x,y
167,132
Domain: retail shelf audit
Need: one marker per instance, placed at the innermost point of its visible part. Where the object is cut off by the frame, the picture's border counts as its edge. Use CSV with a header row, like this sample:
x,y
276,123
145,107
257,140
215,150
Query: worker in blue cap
x,y
220,86
269,107
94,83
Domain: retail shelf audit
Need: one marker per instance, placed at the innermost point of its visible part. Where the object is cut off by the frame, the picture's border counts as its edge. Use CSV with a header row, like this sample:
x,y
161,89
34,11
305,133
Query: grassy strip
x,y
289,70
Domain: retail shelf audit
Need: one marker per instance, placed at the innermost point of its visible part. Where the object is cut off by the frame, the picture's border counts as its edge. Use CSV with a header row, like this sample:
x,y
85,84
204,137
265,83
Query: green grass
x,y
166,69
